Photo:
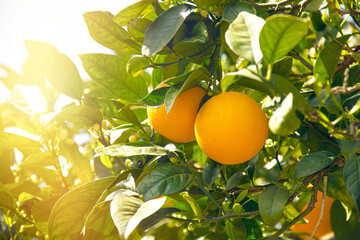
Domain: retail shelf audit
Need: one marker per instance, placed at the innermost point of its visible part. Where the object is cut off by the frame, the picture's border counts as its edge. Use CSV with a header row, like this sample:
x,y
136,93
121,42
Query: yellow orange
x,y
178,125
313,216
231,128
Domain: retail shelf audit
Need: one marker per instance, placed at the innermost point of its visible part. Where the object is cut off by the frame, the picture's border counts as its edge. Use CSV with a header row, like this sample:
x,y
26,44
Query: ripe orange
x,y
231,128
178,125
313,216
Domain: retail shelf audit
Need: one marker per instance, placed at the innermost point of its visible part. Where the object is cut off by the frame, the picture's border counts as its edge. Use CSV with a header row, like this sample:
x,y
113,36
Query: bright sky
x,y
59,22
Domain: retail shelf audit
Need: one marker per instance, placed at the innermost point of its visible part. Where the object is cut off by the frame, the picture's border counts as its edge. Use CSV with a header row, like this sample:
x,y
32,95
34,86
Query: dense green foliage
x,y
298,59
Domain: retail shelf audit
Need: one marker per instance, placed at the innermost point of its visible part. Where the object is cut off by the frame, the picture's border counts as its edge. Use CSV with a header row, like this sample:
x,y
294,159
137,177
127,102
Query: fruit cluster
x,y
230,128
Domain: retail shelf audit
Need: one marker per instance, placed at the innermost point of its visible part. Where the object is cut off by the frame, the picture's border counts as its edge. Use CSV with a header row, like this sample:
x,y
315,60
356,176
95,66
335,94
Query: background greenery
x,y
298,59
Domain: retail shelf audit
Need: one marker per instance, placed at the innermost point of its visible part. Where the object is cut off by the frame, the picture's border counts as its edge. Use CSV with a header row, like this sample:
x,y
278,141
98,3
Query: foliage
x,y
298,59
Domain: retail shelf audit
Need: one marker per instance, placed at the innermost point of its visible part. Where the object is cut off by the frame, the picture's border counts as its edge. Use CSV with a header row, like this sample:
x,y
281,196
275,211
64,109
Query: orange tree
x,y
298,60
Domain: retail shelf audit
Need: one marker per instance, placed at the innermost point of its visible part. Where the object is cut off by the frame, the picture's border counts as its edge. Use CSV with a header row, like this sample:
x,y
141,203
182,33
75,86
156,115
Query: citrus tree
x,y
220,119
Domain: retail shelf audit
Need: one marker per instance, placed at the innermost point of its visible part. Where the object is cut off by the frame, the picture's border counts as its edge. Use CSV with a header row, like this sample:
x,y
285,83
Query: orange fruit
x,y
178,125
231,128
313,216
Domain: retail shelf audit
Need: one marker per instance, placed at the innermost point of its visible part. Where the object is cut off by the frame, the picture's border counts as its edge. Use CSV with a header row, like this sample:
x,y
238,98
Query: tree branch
x,y
303,61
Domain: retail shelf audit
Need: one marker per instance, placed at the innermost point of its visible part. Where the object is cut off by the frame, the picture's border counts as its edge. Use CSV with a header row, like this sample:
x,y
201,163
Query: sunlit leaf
x,y
68,215
243,36
105,31
145,210
7,201
232,11
28,99
272,202
58,68
9,140
163,29
109,71
313,162
284,120
235,229
70,150
131,12
280,34
164,180
193,204
127,150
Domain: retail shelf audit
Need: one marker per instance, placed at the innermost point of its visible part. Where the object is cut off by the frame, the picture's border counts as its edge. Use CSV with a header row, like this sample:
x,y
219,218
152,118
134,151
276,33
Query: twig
x,y
344,88
309,208
230,215
340,11
182,219
266,5
303,61
321,209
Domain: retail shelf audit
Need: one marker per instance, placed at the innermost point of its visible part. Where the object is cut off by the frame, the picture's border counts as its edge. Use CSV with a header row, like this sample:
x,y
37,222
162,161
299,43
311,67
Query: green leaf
x,y
284,120
109,71
272,202
235,229
343,228
145,210
128,150
113,109
82,116
156,97
336,188
283,67
39,159
284,86
105,31
327,62
244,78
280,34
211,172
193,204
7,201
349,147
231,12
59,70
131,12
68,215
70,150
122,209
147,169
163,29
313,163
28,99
352,178
236,179
137,28
163,180
10,140
193,80
242,36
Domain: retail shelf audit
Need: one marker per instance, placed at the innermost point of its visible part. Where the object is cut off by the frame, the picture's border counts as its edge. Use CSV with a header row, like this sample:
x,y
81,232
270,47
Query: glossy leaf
x,y
242,36
352,178
70,150
77,115
127,150
58,68
272,202
211,172
7,201
336,188
327,62
10,140
232,11
67,221
280,34
109,71
349,147
163,180
105,31
156,97
122,209
193,204
313,163
131,12
163,29
145,210
113,109
284,120
236,179
245,78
